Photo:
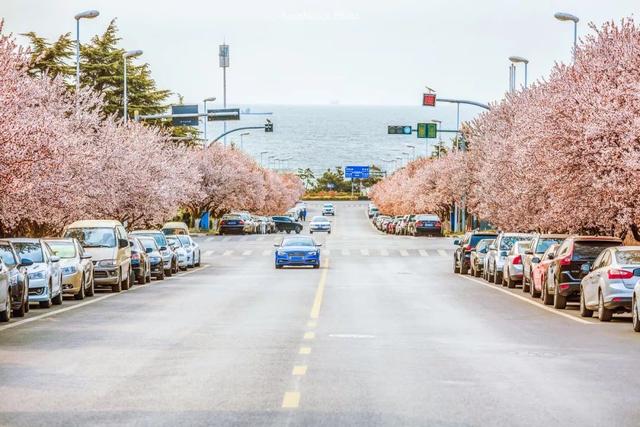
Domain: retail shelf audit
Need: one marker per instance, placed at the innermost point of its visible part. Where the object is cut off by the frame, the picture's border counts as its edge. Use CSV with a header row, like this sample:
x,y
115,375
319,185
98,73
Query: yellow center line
x,y
305,350
309,335
299,370
317,301
312,324
291,399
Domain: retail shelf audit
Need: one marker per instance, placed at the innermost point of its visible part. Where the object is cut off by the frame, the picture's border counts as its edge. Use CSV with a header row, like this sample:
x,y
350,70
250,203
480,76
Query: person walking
x,y
304,214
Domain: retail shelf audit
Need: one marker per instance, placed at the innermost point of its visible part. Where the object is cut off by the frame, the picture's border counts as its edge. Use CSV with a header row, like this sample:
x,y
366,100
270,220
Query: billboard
x,y
356,172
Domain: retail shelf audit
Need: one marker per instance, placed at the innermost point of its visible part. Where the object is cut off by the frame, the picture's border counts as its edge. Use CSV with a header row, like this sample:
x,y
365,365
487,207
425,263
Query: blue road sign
x,y
356,172
185,109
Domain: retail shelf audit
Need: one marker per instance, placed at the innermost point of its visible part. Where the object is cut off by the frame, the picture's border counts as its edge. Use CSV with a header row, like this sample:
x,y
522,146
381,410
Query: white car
x,y
193,250
328,209
319,224
184,257
45,274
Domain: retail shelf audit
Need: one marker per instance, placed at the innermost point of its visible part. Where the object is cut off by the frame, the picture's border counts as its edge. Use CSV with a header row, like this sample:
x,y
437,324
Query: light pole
x,y
242,135
413,151
261,154
519,59
206,119
88,14
125,56
223,55
439,123
561,16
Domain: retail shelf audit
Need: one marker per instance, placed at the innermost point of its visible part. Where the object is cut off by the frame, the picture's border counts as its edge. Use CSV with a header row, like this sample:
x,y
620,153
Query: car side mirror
x,y
275,245
535,260
25,262
148,250
123,243
551,256
131,244
55,259
456,242
318,245
163,248
85,256
529,252
585,269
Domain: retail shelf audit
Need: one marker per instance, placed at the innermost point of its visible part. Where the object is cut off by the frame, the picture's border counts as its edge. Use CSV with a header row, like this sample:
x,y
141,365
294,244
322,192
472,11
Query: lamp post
x,y
519,59
88,14
413,151
125,56
261,154
242,135
439,123
561,16
206,119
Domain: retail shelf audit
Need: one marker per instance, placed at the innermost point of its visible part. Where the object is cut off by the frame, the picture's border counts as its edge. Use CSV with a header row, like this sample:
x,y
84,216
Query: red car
x,y
540,268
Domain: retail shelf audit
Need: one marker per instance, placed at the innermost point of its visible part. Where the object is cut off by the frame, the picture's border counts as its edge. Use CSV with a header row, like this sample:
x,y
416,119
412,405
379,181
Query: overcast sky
x,y
330,51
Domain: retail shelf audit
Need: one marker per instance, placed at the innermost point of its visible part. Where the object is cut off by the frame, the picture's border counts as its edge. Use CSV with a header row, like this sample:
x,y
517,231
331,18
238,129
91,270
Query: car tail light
x,y
564,287
438,224
566,260
241,222
135,256
223,222
418,223
517,260
619,274
467,248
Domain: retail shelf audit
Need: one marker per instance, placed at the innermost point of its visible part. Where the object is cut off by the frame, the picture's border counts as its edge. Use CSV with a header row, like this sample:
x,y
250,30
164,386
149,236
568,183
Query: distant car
x,y
193,251
287,224
328,209
16,270
169,257
498,253
156,262
462,254
297,251
565,275
235,224
175,228
540,266
139,261
539,245
426,224
512,270
76,265
608,285
180,250
476,260
45,274
403,225
319,224
372,210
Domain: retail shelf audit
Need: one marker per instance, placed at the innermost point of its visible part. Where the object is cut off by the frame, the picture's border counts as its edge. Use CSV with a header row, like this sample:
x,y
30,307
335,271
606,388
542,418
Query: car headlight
x,y
154,259
69,270
189,249
108,263
281,253
37,275
313,253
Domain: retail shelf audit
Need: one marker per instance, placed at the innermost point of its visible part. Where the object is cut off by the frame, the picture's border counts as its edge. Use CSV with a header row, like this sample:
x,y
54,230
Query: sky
x,y
347,52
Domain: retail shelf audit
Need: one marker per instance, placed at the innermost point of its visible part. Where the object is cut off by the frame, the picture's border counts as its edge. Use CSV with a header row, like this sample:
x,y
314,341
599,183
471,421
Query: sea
x,y
323,137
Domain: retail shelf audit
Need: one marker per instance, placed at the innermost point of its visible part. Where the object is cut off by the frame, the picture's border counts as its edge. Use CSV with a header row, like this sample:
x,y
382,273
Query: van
x,y
172,228
108,244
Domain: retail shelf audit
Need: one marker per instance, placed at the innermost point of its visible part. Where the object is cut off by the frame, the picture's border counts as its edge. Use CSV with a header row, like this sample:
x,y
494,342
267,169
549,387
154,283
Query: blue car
x,y
298,251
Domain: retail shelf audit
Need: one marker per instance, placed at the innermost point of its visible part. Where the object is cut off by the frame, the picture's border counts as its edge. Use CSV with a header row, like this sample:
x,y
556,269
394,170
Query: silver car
x,y
498,254
193,250
609,283
180,250
319,224
512,270
477,256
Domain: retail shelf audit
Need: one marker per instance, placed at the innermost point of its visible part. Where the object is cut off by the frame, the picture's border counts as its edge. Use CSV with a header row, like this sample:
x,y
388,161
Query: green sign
x,y
427,130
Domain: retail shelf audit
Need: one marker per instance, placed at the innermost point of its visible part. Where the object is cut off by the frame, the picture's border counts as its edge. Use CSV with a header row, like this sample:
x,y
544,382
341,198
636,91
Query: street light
x,y
439,123
261,154
561,16
125,56
88,14
206,119
241,140
517,60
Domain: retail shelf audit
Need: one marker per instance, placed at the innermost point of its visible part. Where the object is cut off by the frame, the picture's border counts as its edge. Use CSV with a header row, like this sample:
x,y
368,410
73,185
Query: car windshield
x,y
508,241
282,218
30,250
160,238
319,219
62,249
149,244
589,251
175,241
476,238
184,239
299,241
544,244
232,217
7,255
93,237
427,218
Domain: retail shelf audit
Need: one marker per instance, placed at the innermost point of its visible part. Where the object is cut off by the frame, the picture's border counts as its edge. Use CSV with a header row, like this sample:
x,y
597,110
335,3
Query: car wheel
x,y
161,276
525,284
92,289
310,232
118,286
57,300
126,284
455,266
143,278
175,267
532,290
288,231
510,283
5,315
20,312
497,277
81,293
584,311
546,298
47,303
559,301
604,314
635,315
298,230
278,266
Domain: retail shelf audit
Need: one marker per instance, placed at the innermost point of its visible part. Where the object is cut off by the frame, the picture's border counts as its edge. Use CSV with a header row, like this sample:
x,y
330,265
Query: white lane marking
x,y
346,252
529,301
422,252
351,336
364,252
93,300
227,253
267,252
208,253
403,252
384,252
441,252
247,252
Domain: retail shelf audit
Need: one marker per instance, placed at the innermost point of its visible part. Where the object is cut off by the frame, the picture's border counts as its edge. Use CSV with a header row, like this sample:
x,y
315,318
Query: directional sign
x,y
399,130
429,99
223,114
185,109
427,130
356,172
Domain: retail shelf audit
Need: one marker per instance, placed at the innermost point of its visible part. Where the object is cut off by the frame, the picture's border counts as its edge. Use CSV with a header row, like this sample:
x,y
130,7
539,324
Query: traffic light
x,y
427,130
268,127
429,99
399,130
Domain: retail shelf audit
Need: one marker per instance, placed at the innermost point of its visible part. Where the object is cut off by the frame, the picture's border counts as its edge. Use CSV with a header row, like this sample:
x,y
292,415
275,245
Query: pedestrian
x,y
304,214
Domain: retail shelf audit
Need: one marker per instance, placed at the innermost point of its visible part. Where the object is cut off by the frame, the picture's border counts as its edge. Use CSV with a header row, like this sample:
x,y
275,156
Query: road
x,y
383,334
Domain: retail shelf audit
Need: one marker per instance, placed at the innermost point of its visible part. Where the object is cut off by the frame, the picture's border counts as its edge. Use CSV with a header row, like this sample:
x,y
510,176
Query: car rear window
x,y
628,257
427,218
475,238
508,241
544,244
589,251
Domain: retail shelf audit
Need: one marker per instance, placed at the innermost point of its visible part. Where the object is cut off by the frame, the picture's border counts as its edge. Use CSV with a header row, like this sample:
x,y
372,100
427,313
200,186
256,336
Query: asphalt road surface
x,y
383,334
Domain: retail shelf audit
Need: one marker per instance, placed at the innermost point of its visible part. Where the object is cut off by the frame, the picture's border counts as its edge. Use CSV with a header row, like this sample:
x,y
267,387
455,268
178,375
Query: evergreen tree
x,y
52,58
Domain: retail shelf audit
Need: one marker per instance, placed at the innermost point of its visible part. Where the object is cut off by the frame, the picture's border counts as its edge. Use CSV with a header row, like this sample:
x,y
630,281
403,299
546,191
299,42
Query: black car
x,y
462,255
564,275
18,277
425,224
155,257
233,224
285,223
139,261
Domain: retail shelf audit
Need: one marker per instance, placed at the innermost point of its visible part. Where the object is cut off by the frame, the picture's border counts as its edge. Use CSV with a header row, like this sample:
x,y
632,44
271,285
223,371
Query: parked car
x,y
6,302
462,254
512,271
402,228
285,223
498,253
45,274
193,250
140,262
169,257
107,243
564,275
180,250
259,225
635,307
248,221
478,254
426,224
235,224
540,266
76,265
608,284
297,251
156,262
372,210
539,244
382,221
175,228
328,209
319,224
16,269
391,225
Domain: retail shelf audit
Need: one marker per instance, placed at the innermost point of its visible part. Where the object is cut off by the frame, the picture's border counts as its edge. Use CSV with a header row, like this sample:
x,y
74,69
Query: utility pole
x,y
223,54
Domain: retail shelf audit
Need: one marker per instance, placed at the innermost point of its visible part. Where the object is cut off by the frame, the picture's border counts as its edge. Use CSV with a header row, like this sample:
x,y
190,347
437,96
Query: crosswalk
x,y
345,252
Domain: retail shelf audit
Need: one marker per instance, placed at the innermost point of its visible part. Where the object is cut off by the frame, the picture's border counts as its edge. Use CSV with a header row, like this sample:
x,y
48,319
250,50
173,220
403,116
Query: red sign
x,y
429,99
